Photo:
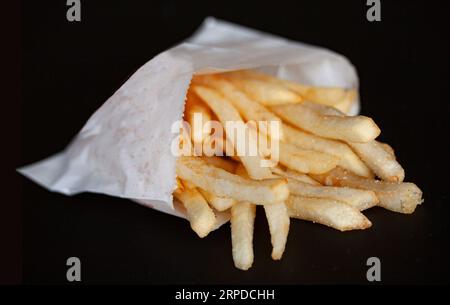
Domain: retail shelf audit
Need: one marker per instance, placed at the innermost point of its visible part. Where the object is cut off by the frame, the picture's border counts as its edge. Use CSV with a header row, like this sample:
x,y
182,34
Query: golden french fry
x,y
347,158
217,202
223,163
305,161
188,185
248,108
227,113
222,183
388,148
180,185
298,159
266,93
242,222
278,220
289,173
382,162
349,128
346,104
327,160
221,218
400,197
357,198
374,154
329,212
331,96
200,215
197,114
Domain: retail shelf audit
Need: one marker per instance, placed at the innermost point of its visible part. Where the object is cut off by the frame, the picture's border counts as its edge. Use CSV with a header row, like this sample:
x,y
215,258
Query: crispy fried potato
x,y
222,183
221,218
264,92
378,157
306,161
289,173
197,114
200,215
242,222
248,108
226,112
347,158
188,185
346,104
398,197
329,212
331,96
223,163
388,148
180,185
349,128
382,162
278,220
219,203
298,159
357,198
327,160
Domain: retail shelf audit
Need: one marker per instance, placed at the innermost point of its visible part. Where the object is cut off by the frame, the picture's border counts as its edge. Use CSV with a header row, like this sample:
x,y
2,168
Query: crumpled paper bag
x,y
124,149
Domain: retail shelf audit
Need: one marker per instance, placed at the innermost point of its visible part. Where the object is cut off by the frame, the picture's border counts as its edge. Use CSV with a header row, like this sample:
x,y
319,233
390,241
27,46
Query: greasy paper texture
x,y
124,149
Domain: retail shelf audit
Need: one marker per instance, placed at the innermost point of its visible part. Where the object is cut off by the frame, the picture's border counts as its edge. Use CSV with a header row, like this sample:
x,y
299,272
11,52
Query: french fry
x,y
278,220
388,148
357,198
226,112
346,104
187,184
333,213
248,108
267,93
301,160
242,222
331,96
306,161
289,173
200,215
347,158
180,185
253,111
217,202
222,183
222,218
327,160
223,163
195,107
377,156
400,197
349,128
382,162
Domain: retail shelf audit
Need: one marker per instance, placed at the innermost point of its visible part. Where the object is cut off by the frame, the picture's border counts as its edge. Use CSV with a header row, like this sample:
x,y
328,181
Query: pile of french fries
x,y
331,167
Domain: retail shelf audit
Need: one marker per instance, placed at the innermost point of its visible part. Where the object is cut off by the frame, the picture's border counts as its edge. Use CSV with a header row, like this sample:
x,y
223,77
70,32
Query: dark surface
x,y
70,69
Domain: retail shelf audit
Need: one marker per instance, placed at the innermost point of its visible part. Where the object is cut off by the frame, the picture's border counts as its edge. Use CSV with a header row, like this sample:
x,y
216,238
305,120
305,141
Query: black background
x,y
70,69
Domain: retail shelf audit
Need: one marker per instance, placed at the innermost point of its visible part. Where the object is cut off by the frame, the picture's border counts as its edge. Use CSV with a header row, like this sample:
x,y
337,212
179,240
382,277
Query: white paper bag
x,y
124,149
